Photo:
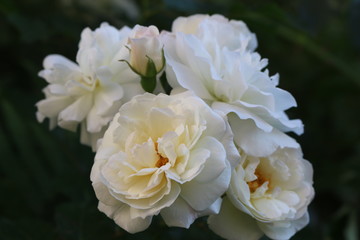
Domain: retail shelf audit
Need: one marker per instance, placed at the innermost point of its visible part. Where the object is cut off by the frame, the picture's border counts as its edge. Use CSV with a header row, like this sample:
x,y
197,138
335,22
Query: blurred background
x,y
45,191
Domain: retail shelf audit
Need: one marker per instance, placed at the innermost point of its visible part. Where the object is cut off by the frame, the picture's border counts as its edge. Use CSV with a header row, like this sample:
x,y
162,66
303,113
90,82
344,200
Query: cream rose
x,y
145,45
146,57
267,195
163,154
90,91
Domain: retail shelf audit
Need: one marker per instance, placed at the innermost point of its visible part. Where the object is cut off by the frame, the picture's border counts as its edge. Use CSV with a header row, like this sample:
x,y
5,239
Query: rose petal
x,y
256,142
77,111
179,214
233,224
51,107
284,230
122,217
215,163
200,195
243,114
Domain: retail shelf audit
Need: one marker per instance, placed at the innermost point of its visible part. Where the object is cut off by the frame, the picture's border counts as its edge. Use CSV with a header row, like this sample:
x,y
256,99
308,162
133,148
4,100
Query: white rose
x,y
163,154
230,81
267,195
90,91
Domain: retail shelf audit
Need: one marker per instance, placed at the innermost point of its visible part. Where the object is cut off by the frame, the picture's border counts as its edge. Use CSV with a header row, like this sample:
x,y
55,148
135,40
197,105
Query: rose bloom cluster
x,y
215,145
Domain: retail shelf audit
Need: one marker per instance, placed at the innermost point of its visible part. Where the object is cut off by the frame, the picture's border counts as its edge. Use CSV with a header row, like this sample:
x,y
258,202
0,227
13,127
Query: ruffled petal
x,y
51,107
256,142
122,217
243,114
76,112
200,195
58,69
233,224
216,162
179,214
285,229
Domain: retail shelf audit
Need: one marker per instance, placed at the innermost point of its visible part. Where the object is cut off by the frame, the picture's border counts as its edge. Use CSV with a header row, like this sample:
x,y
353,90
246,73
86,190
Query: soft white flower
x,y
90,91
219,67
267,195
145,45
163,154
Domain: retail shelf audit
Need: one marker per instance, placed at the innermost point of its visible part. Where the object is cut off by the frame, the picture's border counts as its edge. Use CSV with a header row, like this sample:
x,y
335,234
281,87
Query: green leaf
x,y
24,144
150,68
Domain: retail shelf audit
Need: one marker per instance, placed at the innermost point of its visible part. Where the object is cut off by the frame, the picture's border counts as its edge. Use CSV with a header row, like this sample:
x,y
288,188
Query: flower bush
x,y
216,146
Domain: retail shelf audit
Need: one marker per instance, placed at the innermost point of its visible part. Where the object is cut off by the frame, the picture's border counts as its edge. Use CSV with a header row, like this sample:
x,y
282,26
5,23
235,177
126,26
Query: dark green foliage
x,y
45,190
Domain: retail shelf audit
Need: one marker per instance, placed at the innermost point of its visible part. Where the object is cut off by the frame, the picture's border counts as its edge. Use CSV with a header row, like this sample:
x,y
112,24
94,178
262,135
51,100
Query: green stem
x,y
165,84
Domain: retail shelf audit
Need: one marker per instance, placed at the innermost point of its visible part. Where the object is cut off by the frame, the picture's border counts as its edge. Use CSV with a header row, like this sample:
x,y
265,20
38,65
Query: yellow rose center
x,y
260,180
162,160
